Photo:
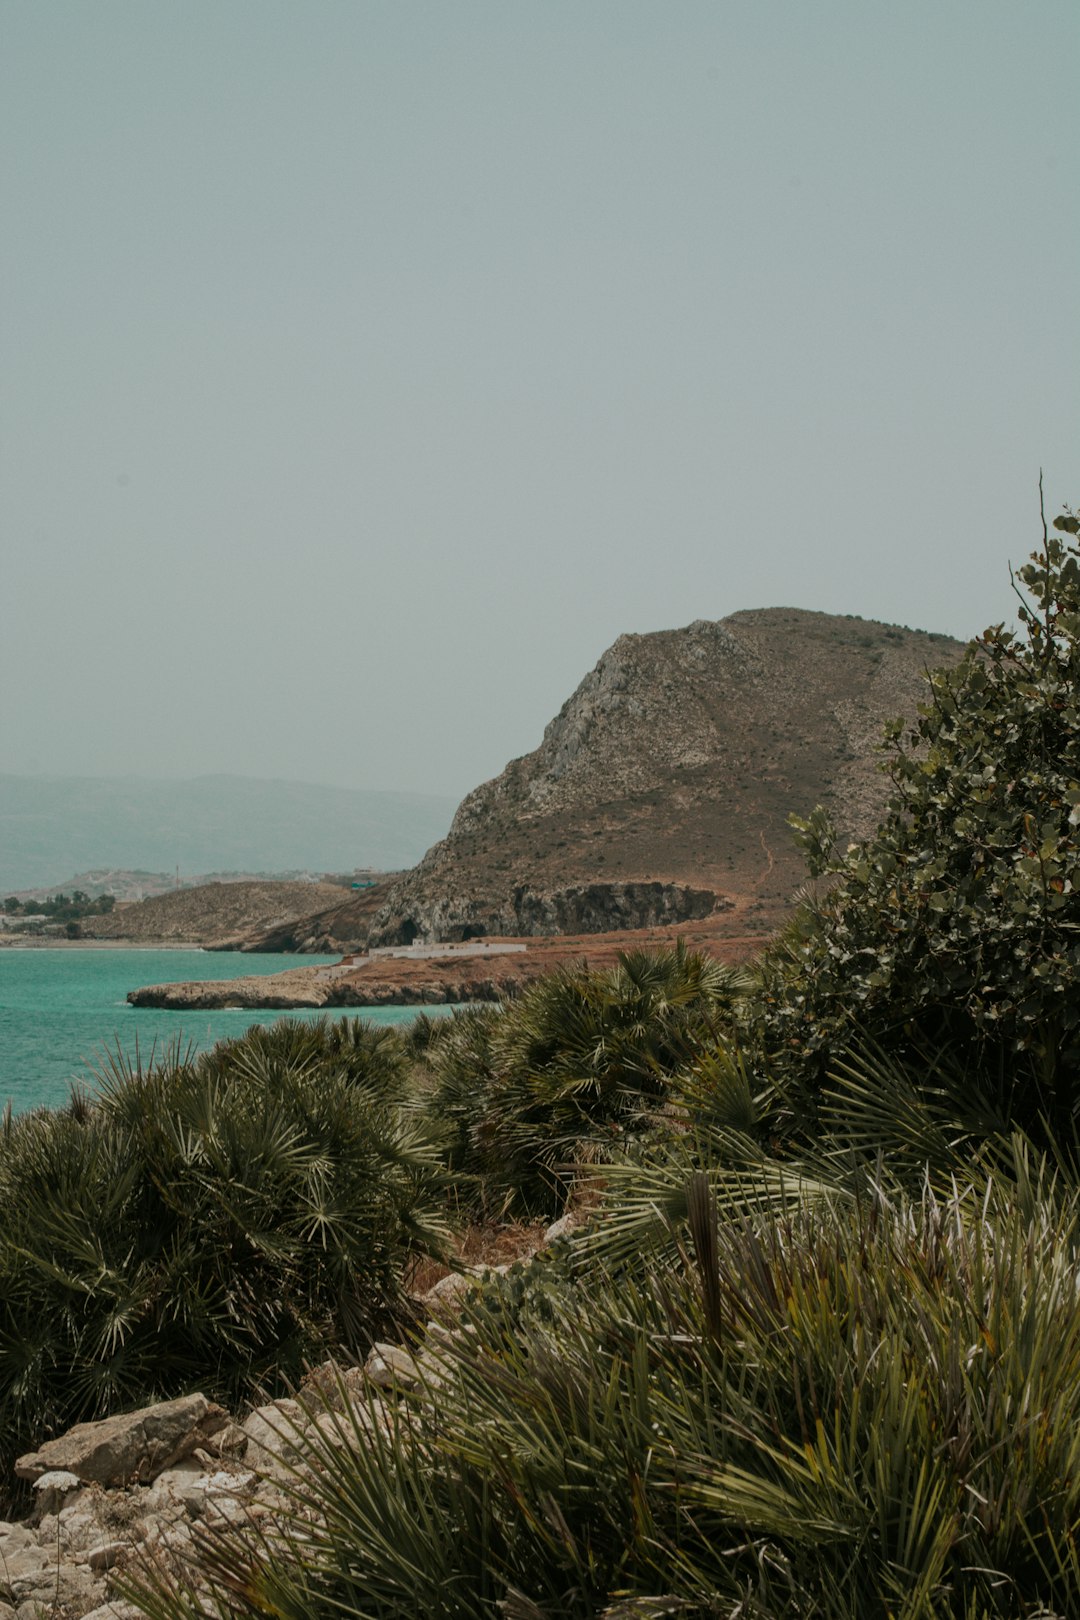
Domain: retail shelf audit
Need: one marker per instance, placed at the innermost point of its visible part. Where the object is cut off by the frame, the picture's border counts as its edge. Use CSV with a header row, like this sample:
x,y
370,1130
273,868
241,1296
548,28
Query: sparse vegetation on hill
x,y
664,783
221,914
47,916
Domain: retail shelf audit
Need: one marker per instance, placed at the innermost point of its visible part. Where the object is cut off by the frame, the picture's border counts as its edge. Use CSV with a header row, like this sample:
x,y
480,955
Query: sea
x,y
62,1012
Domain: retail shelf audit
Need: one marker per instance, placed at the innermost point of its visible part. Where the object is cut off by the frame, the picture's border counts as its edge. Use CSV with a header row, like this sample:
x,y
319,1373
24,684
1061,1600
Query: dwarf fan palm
x,y
858,1410
209,1221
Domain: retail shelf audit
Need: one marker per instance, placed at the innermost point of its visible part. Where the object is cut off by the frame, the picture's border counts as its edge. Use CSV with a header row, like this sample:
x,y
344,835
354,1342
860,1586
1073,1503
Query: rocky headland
x,y
657,803
488,970
661,790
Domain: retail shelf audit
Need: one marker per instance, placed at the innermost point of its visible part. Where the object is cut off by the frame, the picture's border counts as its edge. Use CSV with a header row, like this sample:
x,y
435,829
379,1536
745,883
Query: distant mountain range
x,y
51,826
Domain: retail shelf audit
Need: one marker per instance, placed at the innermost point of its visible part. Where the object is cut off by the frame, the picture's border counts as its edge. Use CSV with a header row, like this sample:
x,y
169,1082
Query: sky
x,y
366,368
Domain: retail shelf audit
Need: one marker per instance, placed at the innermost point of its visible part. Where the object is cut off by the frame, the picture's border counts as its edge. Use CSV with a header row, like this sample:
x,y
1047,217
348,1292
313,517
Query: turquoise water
x,y
60,1010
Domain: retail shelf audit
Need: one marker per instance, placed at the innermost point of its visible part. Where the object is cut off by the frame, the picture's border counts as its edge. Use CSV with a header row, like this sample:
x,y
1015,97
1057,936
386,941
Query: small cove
x,y
62,1011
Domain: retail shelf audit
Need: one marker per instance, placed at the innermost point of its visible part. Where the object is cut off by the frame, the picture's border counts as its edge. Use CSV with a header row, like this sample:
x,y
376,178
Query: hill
x,y
125,885
217,914
661,789
55,824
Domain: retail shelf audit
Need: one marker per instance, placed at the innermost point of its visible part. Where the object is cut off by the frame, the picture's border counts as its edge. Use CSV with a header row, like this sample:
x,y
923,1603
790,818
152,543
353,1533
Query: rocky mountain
x,y
661,789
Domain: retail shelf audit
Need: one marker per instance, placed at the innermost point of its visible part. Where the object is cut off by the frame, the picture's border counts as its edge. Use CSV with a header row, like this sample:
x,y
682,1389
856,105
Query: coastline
x,y
449,976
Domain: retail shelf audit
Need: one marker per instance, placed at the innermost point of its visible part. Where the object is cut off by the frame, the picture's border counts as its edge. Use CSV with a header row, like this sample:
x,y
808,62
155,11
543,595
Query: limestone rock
x,y
390,1367
14,1538
445,1298
131,1445
351,1429
229,1441
274,1432
562,1227
34,1576
104,1555
330,1386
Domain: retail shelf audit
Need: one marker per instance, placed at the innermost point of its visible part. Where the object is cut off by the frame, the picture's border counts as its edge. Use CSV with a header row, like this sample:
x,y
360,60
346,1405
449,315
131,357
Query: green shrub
x,y
372,1057
572,1069
208,1223
860,1410
956,926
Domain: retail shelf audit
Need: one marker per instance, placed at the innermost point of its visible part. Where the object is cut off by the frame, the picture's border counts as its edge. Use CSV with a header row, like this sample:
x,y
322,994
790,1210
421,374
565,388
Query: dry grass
x,y
481,1244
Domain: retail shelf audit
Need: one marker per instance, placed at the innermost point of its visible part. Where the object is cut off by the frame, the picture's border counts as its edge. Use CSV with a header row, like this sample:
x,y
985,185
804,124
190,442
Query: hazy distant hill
x,y
54,825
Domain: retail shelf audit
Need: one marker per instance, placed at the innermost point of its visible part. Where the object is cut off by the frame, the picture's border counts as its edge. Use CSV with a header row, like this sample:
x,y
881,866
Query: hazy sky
x,y
367,368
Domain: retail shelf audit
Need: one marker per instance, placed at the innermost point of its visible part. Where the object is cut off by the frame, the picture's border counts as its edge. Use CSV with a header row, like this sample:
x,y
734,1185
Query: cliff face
x,y
661,789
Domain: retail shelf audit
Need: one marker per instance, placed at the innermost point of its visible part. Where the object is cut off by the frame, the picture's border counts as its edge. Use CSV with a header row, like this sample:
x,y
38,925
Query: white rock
x,y
104,1555
353,1428
13,1538
446,1297
274,1433
22,1571
561,1228
128,1445
72,1530
390,1367
42,1580
330,1386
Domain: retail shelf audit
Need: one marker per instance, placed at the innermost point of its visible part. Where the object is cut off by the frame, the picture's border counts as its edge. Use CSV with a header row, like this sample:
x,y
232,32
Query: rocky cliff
x,y
661,789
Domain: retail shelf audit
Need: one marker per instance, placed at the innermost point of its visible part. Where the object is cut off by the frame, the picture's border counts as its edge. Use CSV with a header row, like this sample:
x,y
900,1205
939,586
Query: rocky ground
x,y
128,1494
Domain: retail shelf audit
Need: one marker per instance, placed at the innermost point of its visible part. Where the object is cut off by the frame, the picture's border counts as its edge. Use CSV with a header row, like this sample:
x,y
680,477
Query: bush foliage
x,y
957,925
570,1071
208,1223
860,1410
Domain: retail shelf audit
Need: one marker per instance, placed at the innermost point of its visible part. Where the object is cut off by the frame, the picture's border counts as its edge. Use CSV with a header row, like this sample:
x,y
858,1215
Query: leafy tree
x,y
956,926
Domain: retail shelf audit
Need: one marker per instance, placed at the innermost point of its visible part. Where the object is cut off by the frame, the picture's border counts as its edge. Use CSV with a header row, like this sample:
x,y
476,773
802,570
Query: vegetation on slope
x,y
956,928
861,1410
819,1356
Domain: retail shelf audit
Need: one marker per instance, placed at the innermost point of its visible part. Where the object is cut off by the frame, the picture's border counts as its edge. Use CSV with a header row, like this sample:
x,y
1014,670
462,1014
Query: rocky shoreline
x,y
302,988
468,975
